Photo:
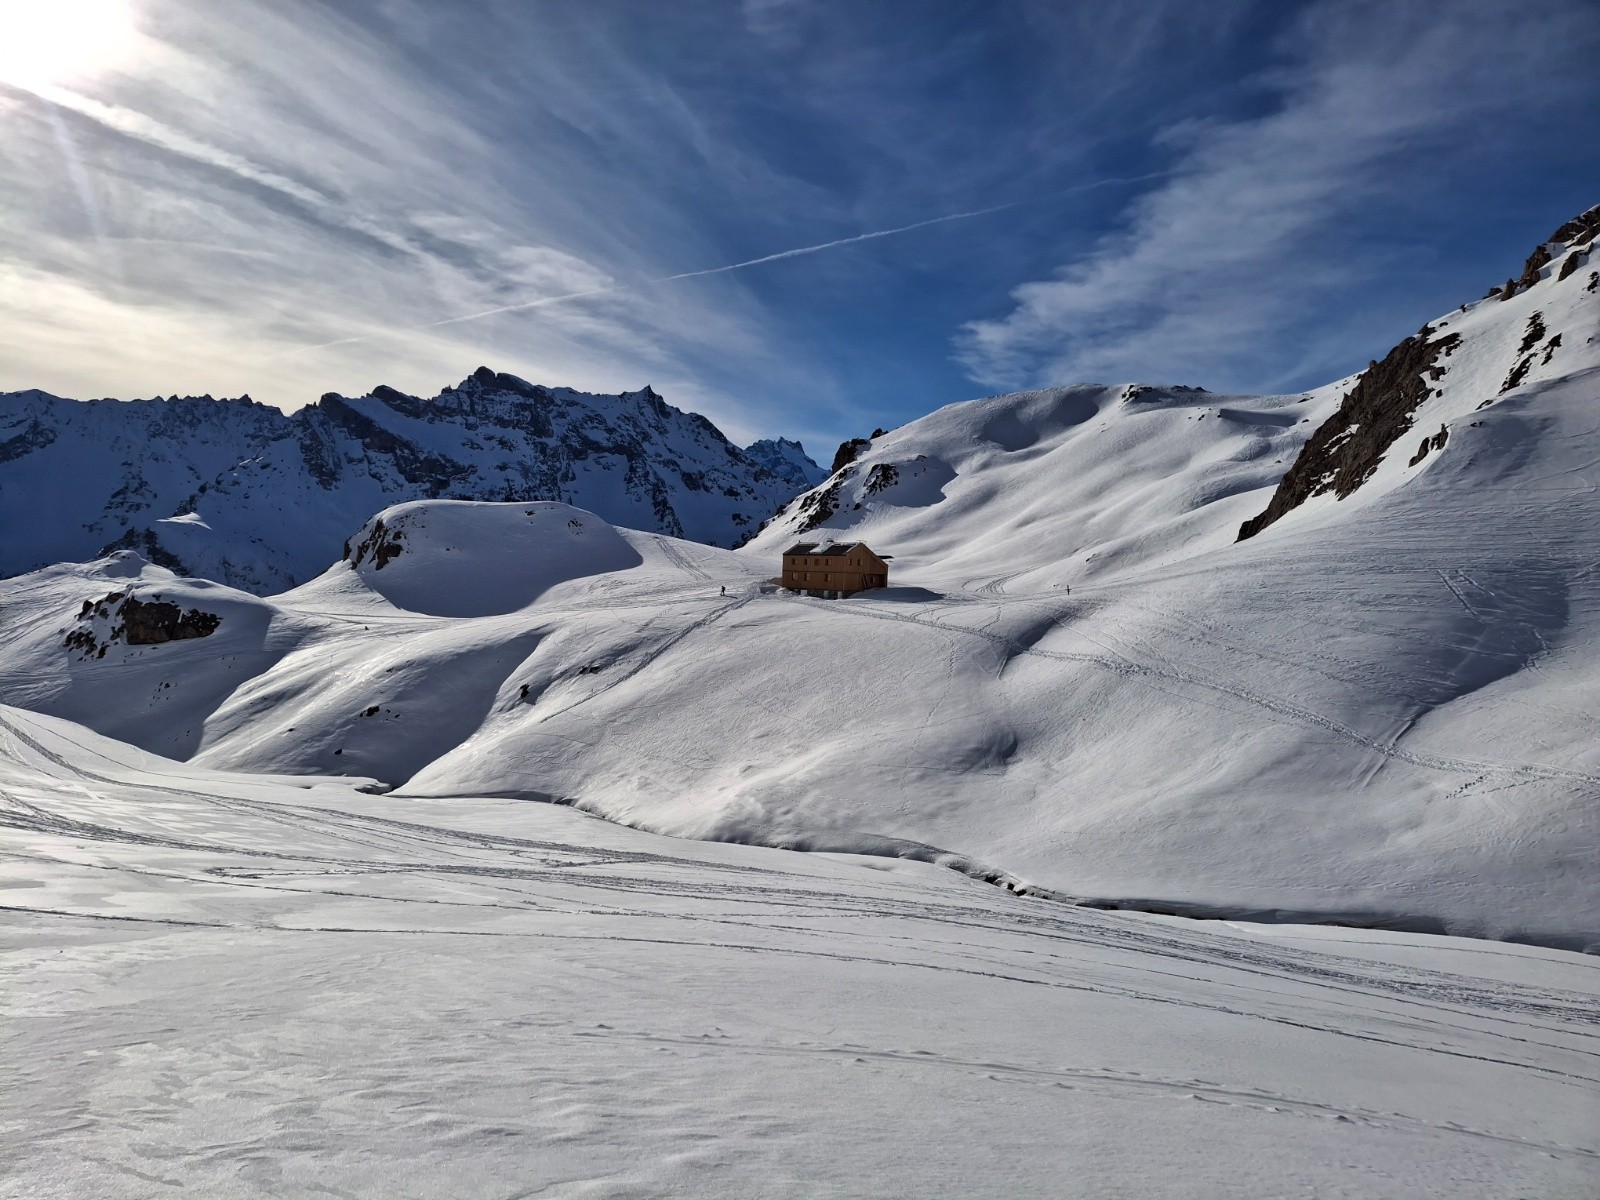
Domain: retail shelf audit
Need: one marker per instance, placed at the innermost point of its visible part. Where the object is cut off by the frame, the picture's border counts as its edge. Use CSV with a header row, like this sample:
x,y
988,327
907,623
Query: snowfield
x,y
1380,710
229,985
306,893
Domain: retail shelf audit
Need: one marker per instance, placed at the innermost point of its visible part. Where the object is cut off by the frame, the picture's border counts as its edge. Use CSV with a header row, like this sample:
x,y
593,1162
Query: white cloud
x,y
1254,231
299,228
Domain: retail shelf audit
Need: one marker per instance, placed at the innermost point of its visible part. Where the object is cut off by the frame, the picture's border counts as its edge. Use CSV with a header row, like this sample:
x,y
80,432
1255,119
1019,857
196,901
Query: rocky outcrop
x,y
1344,452
882,477
152,622
1436,442
1576,234
847,453
124,617
380,547
1581,230
816,507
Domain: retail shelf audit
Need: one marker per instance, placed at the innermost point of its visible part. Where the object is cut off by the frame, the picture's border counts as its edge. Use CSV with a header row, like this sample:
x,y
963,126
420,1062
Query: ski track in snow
x,y
1122,665
280,878
1380,709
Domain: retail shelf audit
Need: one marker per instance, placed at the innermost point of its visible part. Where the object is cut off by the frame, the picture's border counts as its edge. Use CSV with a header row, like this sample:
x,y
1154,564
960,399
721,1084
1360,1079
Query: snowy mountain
x,y
1378,708
788,461
244,494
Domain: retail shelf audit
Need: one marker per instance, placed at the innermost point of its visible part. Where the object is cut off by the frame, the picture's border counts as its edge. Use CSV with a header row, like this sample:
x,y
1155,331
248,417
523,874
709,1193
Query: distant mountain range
x,y
245,494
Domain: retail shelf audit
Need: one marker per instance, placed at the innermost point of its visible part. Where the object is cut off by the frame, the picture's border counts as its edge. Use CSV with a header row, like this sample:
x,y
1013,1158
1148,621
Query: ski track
x,y
1129,668
574,865
137,855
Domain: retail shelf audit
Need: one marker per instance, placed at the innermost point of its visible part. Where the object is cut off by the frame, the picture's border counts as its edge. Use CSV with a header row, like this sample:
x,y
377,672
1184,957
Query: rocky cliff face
x,y
239,492
1347,449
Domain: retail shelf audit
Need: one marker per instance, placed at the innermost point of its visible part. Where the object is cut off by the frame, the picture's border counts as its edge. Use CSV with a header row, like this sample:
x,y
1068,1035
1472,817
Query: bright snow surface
x,y
225,985
1381,709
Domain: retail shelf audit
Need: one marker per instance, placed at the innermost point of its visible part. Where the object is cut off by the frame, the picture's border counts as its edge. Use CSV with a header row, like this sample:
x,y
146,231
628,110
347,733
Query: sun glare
x,y
56,41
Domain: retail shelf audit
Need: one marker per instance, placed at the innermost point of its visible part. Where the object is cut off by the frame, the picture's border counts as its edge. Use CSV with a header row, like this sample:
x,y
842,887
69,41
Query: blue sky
x,y
289,197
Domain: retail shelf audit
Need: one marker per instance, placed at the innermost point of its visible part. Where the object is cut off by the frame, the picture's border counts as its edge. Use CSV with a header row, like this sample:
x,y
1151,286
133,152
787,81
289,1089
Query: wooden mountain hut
x,y
833,569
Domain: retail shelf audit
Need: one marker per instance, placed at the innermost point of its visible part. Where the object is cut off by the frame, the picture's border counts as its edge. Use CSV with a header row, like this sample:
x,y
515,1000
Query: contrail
x,y
797,252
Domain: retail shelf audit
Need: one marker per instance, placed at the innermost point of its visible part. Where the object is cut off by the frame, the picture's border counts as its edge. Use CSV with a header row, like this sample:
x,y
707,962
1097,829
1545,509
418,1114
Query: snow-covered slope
x,y
233,985
1045,489
238,492
1379,708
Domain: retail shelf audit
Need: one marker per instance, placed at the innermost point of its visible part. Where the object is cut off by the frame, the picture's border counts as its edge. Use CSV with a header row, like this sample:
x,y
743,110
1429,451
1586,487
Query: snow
x,y
306,892
238,492
225,985
465,559
1380,711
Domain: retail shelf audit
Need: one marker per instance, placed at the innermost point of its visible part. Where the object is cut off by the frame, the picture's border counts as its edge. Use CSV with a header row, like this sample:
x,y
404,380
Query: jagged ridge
x,y
259,499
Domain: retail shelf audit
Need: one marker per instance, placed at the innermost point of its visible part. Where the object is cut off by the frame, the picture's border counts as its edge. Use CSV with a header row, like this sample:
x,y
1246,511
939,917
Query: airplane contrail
x,y
796,252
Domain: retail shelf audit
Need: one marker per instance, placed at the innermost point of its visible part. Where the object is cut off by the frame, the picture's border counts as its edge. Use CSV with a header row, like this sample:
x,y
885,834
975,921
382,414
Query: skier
x,y
724,590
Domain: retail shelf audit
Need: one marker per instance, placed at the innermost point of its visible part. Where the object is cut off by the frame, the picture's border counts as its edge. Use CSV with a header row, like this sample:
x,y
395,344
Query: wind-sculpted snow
x,y
238,492
217,984
452,558
1382,709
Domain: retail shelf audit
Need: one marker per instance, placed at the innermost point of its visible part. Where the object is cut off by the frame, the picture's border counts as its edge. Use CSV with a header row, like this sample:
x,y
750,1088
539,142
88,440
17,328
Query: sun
x,y
55,41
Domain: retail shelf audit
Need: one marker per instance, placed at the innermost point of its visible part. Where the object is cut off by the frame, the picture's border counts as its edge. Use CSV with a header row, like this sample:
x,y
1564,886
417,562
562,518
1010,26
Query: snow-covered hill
x,y
1379,707
215,984
241,493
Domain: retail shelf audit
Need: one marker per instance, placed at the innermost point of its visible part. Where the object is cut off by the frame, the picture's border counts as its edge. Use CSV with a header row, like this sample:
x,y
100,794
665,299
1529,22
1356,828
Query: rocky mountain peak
x,y
268,497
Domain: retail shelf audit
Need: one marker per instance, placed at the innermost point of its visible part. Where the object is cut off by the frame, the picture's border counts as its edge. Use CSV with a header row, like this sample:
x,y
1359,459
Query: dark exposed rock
x,y
1533,334
1519,372
1550,348
1576,233
137,622
1583,228
150,623
34,437
818,506
847,453
381,546
1537,262
1571,263
391,395
1436,442
1346,450
883,475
